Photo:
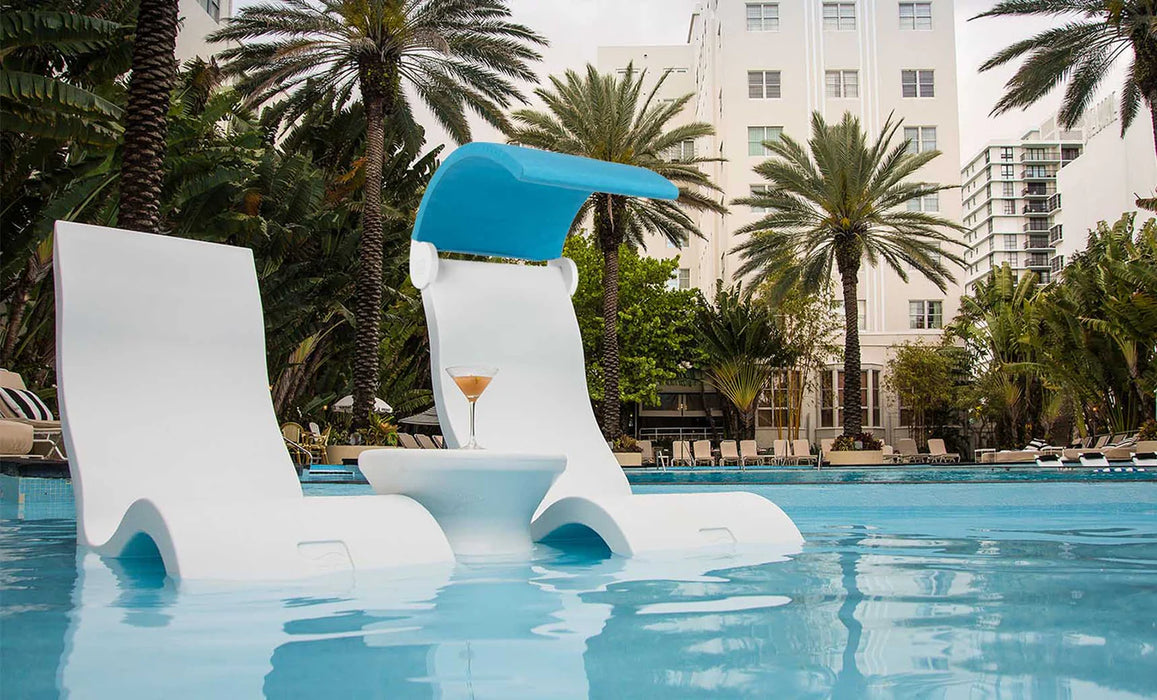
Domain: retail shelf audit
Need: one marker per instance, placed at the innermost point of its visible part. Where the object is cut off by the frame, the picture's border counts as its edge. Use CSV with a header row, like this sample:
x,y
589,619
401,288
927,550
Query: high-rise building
x,y
199,18
1012,207
760,69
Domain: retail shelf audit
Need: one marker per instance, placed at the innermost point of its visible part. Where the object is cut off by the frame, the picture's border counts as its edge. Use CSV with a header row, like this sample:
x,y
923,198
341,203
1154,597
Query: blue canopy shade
x,y
514,202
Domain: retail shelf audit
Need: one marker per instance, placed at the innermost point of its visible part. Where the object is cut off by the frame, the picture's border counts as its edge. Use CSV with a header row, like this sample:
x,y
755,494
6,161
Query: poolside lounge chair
x,y
441,444
407,441
749,453
648,452
20,405
825,448
701,453
801,452
908,451
681,453
729,453
518,203
16,439
169,331
425,442
937,452
781,453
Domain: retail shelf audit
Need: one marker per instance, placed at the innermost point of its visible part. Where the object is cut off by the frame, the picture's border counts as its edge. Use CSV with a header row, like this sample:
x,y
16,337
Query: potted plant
x,y
1147,436
346,445
856,449
627,451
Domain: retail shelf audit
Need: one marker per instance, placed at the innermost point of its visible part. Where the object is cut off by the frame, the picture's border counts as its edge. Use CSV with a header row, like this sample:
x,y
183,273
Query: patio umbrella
x,y
346,404
427,417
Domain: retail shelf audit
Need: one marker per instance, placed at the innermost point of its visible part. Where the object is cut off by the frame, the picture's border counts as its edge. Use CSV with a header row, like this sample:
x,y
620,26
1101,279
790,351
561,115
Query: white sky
x,y
576,28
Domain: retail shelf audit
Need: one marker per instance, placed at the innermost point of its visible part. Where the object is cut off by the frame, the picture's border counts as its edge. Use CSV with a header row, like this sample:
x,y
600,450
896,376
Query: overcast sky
x,y
576,28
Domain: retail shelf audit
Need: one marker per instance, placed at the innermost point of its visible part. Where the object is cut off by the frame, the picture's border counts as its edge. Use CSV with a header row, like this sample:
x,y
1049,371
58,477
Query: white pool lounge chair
x,y
801,451
728,453
781,453
155,334
425,442
408,442
701,453
937,452
681,453
749,453
510,202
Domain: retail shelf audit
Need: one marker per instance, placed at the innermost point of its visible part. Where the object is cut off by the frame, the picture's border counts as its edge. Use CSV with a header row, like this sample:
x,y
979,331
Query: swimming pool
x,y
968,590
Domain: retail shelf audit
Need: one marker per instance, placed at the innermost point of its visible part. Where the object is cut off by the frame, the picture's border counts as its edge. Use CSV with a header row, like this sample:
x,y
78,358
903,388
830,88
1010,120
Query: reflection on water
x,y
883,601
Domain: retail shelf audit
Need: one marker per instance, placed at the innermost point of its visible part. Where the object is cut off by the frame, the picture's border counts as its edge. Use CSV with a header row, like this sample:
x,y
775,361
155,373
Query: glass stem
x,y
473,442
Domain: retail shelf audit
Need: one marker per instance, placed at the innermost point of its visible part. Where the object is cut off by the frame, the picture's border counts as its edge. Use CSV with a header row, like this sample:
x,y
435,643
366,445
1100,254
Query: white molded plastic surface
x,y
169,424
519,318
484,500
423,263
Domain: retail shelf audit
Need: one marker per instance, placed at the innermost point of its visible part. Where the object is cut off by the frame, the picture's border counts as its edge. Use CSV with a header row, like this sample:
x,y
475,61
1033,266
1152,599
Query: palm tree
x,y
607,118
834,203
1081,51
744,344
146,115
454,55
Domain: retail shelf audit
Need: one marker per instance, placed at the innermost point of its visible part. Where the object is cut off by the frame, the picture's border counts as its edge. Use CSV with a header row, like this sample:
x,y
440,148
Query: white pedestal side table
x,y
483,500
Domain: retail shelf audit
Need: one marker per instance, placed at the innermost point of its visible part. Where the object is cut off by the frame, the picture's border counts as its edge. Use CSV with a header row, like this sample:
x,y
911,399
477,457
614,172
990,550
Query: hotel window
x,y
213,7
774,403
1009,189
1010,241
1006,153
929,202
1006,171
762,84
842,83
924,313
862,314
684,278
758,191
915,15
832,398
763,17
840,16
756,135
1009,206
920,138
684,150
917,83
1014,259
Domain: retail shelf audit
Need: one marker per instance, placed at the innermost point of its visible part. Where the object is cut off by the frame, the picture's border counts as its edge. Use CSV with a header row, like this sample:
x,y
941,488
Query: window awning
x,y
515,202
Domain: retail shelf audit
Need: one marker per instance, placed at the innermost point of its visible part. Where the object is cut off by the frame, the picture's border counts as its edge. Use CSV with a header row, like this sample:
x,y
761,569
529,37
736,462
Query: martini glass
x,y
472,380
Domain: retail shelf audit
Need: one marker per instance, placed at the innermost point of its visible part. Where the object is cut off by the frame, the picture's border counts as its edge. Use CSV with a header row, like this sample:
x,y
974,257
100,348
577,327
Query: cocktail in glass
x,y
472,380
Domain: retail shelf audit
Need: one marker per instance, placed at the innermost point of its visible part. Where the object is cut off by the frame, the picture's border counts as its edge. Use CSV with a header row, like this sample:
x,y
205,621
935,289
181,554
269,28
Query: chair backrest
x,y
519,319
291,432
648,451
826,445
936,446
780,448
154,334
728,449
425,442
907,446
1102,441
702,449
315,429
11,380
438,441
408,441
801,448
680,450
748,448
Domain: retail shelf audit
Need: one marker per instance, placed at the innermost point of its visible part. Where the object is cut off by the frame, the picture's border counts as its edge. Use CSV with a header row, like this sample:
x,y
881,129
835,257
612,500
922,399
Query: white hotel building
x,y
757,69
199,18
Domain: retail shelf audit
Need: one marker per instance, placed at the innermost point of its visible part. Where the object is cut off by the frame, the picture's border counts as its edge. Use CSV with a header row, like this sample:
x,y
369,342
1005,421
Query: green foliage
x,y
656,323
1085,40
859,441
1148,430
930,382
625,443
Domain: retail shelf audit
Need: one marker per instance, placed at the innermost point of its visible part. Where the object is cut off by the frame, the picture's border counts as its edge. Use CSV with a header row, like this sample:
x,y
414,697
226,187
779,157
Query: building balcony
x,y
1038,191
1036,260
1036,209
1036,243
1056,263
1038,174
1039,155
1056,233
1054,202
1036,225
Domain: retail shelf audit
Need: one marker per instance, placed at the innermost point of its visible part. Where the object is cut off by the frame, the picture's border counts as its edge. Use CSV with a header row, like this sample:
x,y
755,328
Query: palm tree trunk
x,y
147,115
849,274
368,302
609,241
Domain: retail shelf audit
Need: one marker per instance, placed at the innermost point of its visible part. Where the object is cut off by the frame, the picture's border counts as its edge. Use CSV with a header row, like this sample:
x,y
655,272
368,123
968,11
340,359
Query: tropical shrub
x,y
857,442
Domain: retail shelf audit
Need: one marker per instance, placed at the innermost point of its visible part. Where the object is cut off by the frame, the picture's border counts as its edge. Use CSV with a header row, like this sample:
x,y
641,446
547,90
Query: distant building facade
x,y
199,18
758,70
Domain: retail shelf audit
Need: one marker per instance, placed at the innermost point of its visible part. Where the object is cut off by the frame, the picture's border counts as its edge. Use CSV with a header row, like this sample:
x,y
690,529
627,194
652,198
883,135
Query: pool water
x,y
973,590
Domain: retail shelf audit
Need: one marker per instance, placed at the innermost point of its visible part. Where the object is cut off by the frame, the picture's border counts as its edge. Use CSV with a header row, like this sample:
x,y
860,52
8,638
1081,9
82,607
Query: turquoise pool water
x,y
974,590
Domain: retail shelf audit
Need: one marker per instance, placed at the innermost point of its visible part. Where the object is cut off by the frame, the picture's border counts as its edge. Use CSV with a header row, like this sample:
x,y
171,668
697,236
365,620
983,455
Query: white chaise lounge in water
x,y
510,202
158,337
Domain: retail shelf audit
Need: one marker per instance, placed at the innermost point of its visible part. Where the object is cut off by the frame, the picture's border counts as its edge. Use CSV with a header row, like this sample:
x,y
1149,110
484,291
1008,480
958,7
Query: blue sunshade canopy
x,y
515,202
